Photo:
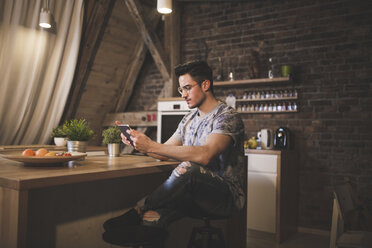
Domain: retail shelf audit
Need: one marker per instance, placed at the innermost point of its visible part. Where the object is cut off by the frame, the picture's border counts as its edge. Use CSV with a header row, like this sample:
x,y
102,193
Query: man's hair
x,y
198,70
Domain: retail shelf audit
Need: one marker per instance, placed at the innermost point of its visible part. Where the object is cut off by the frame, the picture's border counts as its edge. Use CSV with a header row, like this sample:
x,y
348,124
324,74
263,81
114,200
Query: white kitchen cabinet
x,y
272,192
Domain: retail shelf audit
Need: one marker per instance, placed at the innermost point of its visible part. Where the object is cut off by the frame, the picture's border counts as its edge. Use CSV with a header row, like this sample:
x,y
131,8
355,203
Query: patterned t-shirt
x,y
193,130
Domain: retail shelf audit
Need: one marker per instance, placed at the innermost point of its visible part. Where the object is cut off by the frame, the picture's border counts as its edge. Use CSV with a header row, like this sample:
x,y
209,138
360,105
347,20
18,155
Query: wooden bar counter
x,y
65,206
21,186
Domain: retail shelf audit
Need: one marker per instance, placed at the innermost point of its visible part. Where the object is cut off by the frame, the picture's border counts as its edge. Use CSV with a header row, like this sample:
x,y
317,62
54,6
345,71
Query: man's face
x,y
191,91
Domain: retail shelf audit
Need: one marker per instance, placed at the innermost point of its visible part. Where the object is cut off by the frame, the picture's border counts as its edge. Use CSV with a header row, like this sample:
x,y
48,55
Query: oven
x,y
170,113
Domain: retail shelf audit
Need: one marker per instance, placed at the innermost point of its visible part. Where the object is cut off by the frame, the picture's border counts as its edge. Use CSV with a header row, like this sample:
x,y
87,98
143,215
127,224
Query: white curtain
x,y
36,68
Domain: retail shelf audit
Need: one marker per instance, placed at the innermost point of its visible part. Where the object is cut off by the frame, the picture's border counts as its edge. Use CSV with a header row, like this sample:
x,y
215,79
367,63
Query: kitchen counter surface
x,y
16,175
260,151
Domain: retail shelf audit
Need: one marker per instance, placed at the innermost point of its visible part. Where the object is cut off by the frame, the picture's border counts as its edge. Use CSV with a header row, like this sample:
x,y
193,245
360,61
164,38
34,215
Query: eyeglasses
x,y
186,88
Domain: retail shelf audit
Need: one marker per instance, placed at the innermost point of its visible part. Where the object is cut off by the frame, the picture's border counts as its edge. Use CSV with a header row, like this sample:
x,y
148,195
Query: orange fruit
x,y
41,152
50,154
28,152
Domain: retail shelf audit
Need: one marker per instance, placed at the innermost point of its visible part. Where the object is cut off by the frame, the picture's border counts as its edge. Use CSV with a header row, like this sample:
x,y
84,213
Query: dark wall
x,y
329,43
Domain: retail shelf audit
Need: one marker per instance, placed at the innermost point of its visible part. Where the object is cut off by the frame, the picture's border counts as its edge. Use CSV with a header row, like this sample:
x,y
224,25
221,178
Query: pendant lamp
x,y
164,6
46,17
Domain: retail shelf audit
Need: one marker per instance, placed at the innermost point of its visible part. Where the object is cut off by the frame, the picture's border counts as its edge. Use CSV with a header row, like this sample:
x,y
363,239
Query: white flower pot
x,y
60,141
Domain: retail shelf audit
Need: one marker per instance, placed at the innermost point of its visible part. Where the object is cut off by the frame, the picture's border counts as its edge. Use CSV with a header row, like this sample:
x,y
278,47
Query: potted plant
x,y
59,136
111,137
78,133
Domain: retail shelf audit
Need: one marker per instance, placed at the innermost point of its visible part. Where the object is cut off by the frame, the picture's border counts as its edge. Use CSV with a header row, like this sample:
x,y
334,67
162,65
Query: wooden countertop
x,y
16,175
262,151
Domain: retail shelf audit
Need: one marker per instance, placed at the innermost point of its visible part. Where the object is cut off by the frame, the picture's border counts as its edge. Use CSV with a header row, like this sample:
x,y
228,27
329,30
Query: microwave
x,y
170,112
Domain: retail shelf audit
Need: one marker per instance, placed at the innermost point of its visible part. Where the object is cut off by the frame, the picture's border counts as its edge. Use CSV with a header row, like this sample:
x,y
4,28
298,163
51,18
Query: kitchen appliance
x,y
170,112
281,138
267,137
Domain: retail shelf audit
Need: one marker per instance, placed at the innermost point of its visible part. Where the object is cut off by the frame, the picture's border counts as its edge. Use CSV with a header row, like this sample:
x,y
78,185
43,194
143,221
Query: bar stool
x,y
136,236
206,236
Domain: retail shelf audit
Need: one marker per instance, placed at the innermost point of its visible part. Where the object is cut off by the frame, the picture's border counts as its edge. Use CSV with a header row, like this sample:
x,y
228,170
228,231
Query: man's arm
x,y
171,141
214,145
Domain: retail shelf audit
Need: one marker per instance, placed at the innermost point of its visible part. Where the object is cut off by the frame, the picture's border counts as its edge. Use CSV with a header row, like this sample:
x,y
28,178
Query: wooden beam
x,y
150,38
138,58
95,22
172,45
127,85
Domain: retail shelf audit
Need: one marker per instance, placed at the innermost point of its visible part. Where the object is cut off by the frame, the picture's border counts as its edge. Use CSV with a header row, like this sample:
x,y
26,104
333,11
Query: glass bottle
x,y
265,108
249,95
267,95
274,107
294,106
271,68
261,107
219,70
270,108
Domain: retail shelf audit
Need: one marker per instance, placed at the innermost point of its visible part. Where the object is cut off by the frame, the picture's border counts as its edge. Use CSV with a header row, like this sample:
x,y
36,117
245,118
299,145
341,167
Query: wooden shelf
x,y
267,99
268,112
252,81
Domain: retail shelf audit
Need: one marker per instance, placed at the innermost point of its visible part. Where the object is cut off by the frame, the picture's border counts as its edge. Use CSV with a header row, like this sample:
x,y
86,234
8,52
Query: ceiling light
x,y
164,6
45,18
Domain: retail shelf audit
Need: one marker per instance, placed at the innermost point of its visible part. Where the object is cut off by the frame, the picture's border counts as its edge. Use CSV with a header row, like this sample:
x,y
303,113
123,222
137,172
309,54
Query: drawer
x,y
266,163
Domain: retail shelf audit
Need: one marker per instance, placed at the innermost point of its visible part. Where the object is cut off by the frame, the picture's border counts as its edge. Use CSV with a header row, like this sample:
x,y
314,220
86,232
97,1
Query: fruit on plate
x,y
28,152
50,154
64,154
41,152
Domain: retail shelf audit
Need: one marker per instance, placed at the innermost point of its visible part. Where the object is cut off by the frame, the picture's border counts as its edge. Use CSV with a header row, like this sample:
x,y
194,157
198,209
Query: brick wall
x,y
330,45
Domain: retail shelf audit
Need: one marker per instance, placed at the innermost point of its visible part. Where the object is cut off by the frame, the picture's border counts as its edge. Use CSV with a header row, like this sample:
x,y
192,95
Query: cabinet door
x,y
261,192
261,202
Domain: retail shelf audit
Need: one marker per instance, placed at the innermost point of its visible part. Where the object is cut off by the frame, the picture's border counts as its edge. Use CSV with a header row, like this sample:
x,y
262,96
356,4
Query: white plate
x,y
43,160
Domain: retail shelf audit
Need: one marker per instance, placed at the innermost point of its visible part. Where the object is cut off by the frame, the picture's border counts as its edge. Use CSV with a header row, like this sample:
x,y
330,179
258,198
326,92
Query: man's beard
x,y
199,103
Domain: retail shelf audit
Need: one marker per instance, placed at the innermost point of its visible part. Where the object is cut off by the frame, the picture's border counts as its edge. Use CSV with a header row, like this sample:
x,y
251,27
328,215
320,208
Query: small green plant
x,y
57,132
77,130
111,135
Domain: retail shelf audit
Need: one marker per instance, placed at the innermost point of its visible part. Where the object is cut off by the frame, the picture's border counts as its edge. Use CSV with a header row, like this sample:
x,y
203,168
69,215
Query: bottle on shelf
x,y
231,76
219,76
294,106
271,69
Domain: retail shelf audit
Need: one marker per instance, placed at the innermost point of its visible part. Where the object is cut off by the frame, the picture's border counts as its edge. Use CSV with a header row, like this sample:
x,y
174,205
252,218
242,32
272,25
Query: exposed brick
x,y
329,43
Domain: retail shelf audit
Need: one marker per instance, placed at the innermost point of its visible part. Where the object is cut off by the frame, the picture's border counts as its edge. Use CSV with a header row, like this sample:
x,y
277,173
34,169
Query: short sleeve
x,y
229,123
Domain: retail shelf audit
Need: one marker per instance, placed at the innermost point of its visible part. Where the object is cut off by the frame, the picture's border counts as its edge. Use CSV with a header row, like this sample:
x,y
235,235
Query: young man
x,y
209,144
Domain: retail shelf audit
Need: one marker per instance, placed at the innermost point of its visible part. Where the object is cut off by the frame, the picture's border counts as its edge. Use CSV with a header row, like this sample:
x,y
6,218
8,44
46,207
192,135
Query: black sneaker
x,y
130,218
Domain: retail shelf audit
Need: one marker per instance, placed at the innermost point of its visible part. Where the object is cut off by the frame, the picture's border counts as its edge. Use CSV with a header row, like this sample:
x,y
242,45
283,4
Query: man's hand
x,y
123,138
141,142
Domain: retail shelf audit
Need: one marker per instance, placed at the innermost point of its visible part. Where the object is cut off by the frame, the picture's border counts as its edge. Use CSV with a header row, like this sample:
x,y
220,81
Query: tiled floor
x,y
258,239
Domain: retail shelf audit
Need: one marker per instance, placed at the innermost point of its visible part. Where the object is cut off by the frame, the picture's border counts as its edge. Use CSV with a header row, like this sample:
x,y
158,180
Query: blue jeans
x,y
191,190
